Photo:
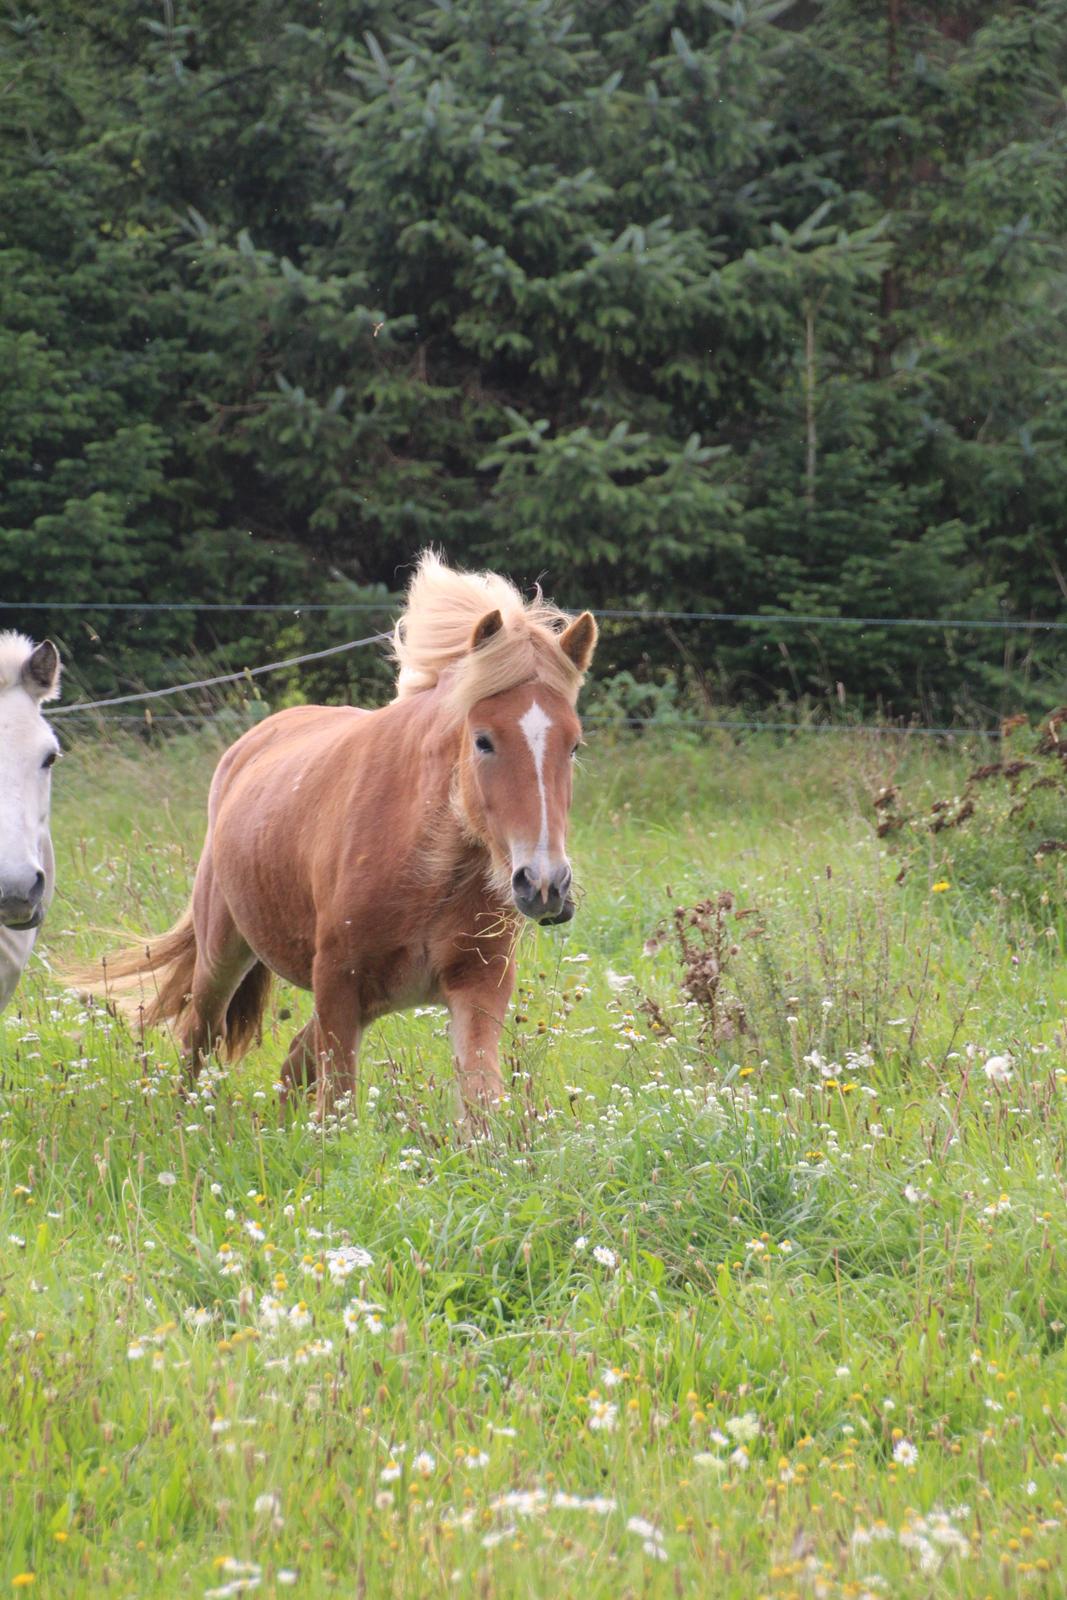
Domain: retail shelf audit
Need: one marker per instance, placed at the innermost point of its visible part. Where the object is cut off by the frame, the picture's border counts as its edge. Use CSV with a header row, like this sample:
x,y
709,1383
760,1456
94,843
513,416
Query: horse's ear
x,y
490,624
578,641
40,675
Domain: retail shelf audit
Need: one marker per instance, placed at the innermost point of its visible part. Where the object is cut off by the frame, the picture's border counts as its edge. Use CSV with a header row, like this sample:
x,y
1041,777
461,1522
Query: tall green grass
x,y
775,1312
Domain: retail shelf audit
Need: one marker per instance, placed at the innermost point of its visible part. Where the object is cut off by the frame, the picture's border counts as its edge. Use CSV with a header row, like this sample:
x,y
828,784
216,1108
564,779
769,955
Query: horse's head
x,y
28,747
516,778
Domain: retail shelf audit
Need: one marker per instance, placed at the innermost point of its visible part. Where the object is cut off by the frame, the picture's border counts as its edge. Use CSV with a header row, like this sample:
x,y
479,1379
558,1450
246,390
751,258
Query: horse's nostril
x,y
521,882
38,887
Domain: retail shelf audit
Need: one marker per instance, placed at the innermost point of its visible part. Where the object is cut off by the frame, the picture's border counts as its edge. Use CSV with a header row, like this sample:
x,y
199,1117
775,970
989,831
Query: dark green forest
x,y
721,305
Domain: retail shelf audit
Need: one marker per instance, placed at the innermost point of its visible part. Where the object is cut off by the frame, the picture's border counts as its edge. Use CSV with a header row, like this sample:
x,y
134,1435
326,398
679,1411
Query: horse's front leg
x,y
477,1001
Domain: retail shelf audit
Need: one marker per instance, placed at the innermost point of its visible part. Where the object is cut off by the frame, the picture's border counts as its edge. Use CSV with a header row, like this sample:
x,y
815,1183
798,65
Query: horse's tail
x,y
244,1014
151,984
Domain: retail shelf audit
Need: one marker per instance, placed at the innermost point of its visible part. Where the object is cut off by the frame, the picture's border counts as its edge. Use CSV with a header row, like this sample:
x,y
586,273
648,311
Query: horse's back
x,y
290,737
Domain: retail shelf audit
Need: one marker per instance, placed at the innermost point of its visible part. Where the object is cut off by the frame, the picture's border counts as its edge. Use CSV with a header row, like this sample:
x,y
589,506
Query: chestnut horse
x,y
379,858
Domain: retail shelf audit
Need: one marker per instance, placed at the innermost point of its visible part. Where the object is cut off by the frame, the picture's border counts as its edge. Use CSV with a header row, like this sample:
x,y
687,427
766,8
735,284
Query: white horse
x,y
29,675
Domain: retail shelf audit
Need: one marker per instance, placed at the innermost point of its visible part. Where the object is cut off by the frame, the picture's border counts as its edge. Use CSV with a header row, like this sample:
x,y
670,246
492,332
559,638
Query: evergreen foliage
x,y
728,304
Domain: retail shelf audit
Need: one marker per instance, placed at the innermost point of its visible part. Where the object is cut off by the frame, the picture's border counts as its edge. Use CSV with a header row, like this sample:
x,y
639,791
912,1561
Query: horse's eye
x,y
574,752
50,759
484,744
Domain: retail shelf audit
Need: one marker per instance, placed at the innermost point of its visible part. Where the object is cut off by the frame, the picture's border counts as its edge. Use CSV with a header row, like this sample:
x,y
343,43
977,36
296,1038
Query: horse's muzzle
x,y
19,916
23,908
564,914
547,899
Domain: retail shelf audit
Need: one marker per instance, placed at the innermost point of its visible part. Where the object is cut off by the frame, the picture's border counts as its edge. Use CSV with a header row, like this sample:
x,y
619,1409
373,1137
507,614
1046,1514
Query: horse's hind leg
x,y
335,1035
223,960
300,1067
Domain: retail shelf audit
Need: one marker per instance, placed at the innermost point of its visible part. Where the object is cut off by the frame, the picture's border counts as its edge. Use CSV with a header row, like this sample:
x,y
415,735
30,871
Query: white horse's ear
x,y
485,630
40,675
578,641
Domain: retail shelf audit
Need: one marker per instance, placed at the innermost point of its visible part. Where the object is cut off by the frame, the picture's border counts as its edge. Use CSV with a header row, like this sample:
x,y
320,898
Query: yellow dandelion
x,y
22,1580
940,886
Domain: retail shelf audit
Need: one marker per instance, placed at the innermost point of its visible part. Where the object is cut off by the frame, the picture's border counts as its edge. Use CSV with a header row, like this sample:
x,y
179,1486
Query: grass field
x,y
761,1292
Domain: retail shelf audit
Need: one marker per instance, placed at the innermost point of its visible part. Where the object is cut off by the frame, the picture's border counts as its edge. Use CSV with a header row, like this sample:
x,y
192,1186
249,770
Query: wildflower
x,y
649,1534
286,1577
424,1464
167,1179
998,1069
197,1317
343,1261
373,1323
940,886
913,1195
390,1473
22,1580
135,1351
606,1257
267,1504
474,1458
229,1262
254,1231
300,1316
743,1429
491,1540
610,1376
580,1244
603,1416
271,1310
842,1371
905,1453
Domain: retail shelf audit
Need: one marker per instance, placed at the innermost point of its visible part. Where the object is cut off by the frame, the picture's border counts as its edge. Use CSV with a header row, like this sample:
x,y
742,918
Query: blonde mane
x,y
432,639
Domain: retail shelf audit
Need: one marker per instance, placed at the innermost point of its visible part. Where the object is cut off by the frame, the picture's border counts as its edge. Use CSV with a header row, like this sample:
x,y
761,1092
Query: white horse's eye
x,y
50,759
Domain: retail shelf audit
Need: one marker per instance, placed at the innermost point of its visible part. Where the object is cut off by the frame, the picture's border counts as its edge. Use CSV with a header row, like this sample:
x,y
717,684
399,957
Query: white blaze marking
x,y
535,725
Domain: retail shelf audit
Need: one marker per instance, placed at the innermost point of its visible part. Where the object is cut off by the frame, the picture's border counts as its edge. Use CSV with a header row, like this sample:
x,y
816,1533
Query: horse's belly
x,y
391,981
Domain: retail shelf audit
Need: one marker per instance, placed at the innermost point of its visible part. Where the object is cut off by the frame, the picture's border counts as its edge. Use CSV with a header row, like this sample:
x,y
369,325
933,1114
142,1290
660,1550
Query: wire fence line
x,y
102,708
393,608
209,683
594,724
723,724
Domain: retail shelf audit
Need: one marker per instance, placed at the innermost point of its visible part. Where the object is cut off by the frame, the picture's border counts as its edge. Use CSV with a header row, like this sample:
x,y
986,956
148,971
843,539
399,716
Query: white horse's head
x,y
28,747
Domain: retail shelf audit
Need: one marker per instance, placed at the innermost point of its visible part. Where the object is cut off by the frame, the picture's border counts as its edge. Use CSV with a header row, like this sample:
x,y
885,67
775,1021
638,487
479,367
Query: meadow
x,y
754,1287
